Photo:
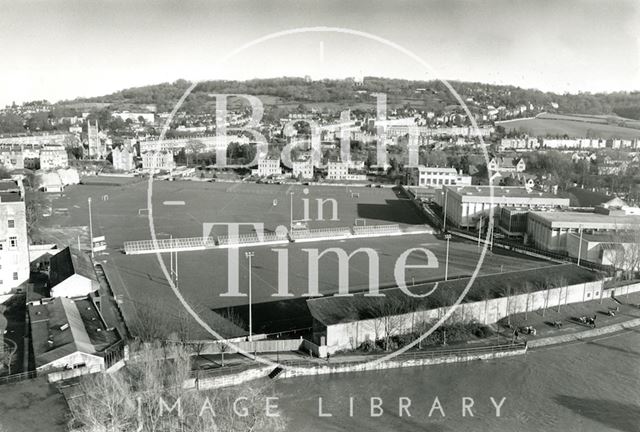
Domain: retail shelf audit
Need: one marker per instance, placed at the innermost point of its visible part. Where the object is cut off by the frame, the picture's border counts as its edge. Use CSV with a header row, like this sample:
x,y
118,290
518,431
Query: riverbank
x,y
588,385
294,365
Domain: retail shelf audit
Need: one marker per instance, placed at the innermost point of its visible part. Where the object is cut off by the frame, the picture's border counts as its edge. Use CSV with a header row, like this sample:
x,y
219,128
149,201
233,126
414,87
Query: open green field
x,y
204,275
573,126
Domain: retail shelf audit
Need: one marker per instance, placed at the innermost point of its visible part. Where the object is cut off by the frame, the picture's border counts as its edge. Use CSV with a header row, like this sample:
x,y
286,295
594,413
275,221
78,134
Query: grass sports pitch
x,y
203,275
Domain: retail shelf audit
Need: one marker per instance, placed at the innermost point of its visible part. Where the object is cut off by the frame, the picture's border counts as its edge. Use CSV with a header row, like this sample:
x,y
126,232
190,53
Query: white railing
x,y
250,238
373,230
320,232
160,245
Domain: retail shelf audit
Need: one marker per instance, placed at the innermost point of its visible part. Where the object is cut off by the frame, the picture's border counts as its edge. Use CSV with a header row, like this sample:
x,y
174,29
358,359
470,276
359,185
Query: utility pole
x,y
446,265
249,255
90,228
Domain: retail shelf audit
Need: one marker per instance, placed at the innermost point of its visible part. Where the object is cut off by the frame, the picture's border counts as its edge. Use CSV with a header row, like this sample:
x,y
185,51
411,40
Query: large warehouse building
x,y
550,230
464,205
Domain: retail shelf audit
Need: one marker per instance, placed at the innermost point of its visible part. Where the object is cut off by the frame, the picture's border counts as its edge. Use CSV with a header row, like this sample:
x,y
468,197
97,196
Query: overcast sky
x,y
64,49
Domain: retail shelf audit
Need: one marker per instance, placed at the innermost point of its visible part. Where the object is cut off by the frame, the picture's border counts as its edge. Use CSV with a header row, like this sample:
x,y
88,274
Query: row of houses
x,y
336,170
49,157
531,143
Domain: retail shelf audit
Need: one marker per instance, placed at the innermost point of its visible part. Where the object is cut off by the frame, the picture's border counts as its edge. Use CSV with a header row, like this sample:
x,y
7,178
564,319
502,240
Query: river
x,y
585,386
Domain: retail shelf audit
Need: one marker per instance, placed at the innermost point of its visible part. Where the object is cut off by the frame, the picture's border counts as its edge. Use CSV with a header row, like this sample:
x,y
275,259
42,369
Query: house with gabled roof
x,y
71,274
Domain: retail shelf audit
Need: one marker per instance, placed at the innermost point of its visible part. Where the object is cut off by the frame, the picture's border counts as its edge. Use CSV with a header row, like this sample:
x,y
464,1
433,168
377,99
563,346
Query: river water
x,y
592,386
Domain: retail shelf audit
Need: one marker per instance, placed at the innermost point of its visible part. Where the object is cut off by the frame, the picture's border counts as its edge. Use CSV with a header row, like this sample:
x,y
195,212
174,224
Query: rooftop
x,y
335,310
64,326
68,262
500,191
576,218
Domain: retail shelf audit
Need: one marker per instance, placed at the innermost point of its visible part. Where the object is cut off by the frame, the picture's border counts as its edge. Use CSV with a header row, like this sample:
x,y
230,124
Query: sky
x,y
63,49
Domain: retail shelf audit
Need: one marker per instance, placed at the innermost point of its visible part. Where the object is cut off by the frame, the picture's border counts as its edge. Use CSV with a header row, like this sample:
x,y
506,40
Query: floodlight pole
x,y
249,255
580,244
446,265
480,230
291,212
90,228
444,221
172,272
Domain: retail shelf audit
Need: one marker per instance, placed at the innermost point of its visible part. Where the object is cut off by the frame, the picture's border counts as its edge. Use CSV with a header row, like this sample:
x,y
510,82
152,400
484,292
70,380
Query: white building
x,y
551,230
14,244
268,167
507,164
12,159
302,169
345,171
53,157
519,143
337,171
437,177
153,161
72,274
122,159
465,205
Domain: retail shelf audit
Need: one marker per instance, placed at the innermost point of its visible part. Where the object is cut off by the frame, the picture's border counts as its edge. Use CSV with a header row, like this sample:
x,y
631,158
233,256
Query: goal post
x,y
143,212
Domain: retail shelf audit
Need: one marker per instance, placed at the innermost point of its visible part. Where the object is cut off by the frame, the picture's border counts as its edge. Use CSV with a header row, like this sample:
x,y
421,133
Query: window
x,y
11,223
13,241
15,275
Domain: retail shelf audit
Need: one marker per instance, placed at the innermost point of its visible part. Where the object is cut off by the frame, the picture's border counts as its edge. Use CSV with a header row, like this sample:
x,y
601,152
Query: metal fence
x,y
18,377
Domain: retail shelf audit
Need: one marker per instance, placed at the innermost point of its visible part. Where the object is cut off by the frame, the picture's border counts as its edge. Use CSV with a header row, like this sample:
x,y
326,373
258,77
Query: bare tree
x,y
560,282
527,290
150,395
388,313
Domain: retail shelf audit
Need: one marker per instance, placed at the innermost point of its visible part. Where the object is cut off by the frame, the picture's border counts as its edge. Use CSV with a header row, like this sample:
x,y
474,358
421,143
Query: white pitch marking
x,y
173,203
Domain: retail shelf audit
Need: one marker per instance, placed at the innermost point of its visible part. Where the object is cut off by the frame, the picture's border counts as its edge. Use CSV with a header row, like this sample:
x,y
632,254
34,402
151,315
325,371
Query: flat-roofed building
x,y
466,204
437,177
14,244
550,230
620,250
